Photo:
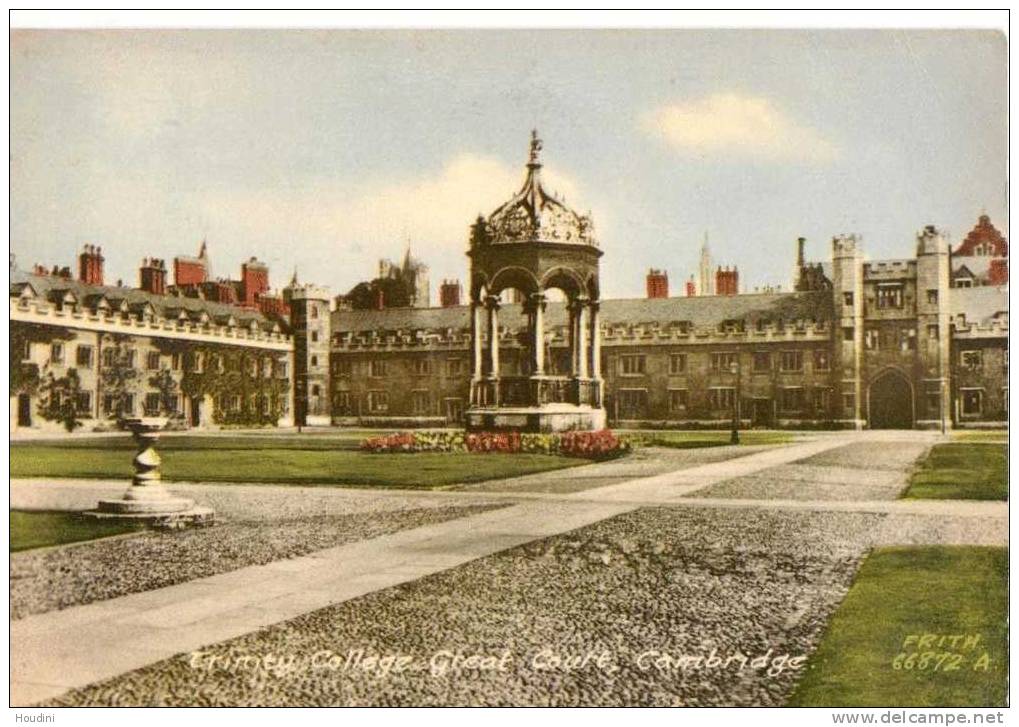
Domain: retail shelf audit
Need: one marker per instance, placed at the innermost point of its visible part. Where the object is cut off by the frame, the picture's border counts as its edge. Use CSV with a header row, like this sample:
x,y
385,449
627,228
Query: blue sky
x,y
327,150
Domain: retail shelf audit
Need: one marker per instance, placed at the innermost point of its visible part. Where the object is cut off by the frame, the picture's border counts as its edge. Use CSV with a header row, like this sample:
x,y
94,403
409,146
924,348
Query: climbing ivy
x,y
233,377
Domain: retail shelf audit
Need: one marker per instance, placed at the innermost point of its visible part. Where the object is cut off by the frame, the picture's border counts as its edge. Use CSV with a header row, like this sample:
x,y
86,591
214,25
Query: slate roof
x,y
165,306
979,304
699,311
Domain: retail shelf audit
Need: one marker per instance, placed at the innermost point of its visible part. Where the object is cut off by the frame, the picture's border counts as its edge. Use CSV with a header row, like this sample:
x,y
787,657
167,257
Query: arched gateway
x,y
532,244
890,401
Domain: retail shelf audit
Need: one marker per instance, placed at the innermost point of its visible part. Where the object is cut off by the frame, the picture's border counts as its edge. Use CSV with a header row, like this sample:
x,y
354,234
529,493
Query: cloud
x,y
337,233
730,124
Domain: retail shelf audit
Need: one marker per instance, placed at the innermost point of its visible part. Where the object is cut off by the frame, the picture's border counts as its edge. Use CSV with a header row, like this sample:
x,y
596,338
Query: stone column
x,y
537,334
595,340
582,352
477,358
492,304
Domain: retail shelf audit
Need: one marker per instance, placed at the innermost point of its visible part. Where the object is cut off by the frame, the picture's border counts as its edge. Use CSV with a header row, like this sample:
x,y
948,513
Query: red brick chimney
x,y
997,274
727,281
449,293
254,282
657,284
90,265
691,288
152,276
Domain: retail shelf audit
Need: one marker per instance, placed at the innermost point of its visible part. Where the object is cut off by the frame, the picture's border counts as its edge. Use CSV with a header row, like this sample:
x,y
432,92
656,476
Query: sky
x,y
327,150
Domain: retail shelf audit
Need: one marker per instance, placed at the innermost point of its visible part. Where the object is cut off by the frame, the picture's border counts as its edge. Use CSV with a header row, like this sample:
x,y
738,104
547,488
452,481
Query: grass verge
x,y
873,653
961,471
709,438
283,466
38,529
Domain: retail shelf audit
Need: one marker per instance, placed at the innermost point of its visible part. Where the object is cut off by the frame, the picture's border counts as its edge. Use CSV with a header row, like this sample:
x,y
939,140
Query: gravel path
x,y
859,471
260,531
681,581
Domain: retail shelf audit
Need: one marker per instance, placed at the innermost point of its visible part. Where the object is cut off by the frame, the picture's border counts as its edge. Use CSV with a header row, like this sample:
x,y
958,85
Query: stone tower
x,y
933,276
847,288
309,317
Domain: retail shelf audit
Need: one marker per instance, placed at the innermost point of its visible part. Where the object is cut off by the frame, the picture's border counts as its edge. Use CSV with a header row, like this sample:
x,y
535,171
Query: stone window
x,y
791,361
849,403
872,340
723,362
27,353
790,398
677,363
314,336
84,357
377,369
972,402
847,333
822,398
314,361
421,401
342,402
889,295
281,369
932,331
378,401
933,399
907,339
454,367
722,397
972,360
422,367
932,296
56,353
822,361
314,310
83,403
762,361
847,298
152,403
632,365
632,403
679,399
342,367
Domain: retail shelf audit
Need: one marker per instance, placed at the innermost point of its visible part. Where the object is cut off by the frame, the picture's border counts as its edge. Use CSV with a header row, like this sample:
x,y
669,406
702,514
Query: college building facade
x,y
918,342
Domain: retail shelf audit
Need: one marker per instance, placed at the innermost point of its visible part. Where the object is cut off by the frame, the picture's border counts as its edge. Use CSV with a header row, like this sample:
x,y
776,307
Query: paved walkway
x,y
60,650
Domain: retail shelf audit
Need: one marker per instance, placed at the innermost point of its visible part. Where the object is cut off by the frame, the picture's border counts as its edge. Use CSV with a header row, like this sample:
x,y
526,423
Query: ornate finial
x,y
535,146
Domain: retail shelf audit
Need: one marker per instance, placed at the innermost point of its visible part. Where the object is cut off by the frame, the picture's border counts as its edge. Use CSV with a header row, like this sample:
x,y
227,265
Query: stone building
x,y
920,341
136,351
856,343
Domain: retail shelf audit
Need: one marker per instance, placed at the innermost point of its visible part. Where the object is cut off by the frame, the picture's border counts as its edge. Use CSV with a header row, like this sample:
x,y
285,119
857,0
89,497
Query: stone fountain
x,y
146,500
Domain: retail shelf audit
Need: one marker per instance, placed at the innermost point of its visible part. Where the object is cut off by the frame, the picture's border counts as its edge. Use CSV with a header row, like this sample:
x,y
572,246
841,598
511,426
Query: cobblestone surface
x,y
254,532
811,482
688,582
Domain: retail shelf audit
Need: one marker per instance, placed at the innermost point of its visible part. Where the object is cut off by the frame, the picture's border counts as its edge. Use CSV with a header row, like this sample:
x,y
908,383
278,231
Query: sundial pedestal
x,y
146,500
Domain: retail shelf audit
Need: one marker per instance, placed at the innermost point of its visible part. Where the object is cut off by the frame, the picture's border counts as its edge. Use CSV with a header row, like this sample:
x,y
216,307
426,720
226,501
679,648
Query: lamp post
x,y
734,368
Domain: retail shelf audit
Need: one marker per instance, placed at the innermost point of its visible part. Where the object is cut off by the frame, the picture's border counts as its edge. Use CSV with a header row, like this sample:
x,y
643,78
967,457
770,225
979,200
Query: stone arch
x,y
566,280
514,277
890,400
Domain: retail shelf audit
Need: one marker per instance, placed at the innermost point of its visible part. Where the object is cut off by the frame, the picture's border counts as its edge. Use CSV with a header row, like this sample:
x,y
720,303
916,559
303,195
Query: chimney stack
x,y
691,287
90,265
657,283
727,281
153,276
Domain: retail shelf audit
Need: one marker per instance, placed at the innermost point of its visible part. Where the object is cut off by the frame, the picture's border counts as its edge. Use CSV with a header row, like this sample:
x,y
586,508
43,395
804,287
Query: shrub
x,y
590,445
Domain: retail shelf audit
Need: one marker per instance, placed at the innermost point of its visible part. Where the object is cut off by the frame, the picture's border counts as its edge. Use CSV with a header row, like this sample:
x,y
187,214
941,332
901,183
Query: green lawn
x,y
962,471
349,439
37,529
867,659
279,464
709,438
981,435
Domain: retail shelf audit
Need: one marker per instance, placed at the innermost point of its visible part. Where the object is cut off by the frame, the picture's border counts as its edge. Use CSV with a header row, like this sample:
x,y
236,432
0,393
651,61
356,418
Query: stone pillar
x,y
537,334
476,334
580,352
492,304
595,340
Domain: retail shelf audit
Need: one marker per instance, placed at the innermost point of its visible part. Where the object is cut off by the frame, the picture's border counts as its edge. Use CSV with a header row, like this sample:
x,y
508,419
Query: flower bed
x,y
589,445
